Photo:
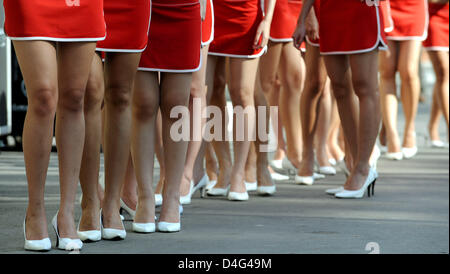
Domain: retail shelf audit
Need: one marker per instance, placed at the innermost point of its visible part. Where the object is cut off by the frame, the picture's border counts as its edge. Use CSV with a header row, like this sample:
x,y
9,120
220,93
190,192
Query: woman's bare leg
x,y
74,65
159,154
90,164
198,93
130,186
316,76
364,80
42,93
274,101
333,137
441,88
218,99
292,70
408,66
242,87
435,117
388,91
175,90
145,108
323,126
120,71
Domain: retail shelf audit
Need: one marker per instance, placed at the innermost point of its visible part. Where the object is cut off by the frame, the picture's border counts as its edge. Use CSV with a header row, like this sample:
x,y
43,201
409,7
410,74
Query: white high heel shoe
x,y
237,196
279,177
169,227
209,186
327,170
289,167
158,200
394,156
65,243
218,191
266,190
127,209
358,194
308,180
144,227
89,235
251,186
187,199
277,164
333,191
112,233
36,245
409,153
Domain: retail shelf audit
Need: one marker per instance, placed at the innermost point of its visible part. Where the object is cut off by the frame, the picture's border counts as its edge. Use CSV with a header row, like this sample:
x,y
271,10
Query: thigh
x,y
408,58
364,68
440,62
269,62
146,92
388,60
243,77
199,77
175,90
74,65
42,55
338,68
292,64
315,66
120,69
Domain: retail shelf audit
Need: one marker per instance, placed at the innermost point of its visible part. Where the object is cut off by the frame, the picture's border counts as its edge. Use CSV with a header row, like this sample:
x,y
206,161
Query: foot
x,y
223,181
322,156
185,186
90,217
409,139
307,166
145,212
357,178
263,175
250,173
237,183
170,210
111,218
66,225
36,225
130,200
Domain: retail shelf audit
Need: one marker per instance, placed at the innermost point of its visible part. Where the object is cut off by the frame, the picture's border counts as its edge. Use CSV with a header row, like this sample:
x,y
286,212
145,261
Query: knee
x,y
409,74
442,72
71,99
314,86
364,88
145,109
268,84
118,97
341,89
242,95
197,89
94,95
387,72
43,104
294,83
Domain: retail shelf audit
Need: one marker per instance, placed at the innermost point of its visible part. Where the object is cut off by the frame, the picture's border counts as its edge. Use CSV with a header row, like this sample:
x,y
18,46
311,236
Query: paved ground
x,y
409,214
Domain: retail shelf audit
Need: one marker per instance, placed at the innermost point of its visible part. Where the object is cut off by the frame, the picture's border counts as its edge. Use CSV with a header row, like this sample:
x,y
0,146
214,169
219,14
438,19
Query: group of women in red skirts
x,y
111,72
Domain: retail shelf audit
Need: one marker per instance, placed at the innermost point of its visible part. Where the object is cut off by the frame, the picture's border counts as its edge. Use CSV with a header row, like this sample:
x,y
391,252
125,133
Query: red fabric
x,y
54,19
410,19
387,15
284,21
208,24
349,26
174,37
235,26
127,25
438,34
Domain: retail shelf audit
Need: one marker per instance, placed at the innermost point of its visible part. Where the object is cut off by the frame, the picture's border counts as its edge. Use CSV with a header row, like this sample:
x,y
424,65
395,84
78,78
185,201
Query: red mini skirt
x,y
50,20
350,27
208,24
284,20
385,7
127,24
175,37
235,26
410,20
438,30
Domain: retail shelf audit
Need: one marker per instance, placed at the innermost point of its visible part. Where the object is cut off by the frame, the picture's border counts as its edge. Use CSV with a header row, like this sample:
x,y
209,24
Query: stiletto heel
x,y
358,194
